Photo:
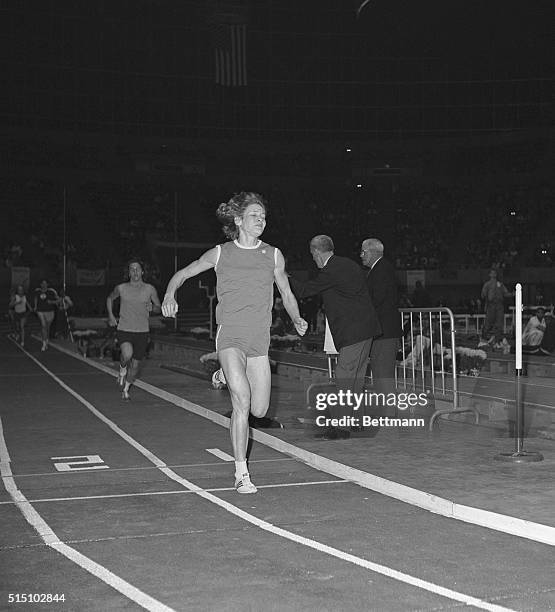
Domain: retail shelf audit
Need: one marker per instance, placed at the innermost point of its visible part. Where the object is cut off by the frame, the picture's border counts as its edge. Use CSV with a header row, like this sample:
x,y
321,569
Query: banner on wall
x,y
413,276
21,275
90,278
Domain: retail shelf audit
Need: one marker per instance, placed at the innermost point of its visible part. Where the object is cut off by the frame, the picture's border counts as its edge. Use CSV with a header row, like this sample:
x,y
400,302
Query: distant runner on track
x,y
45,305
137,300
246,269
20,305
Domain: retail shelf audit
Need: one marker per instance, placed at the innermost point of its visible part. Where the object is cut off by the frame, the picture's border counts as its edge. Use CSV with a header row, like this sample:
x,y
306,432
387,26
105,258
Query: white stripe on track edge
x,y
495,521
269,527
51,539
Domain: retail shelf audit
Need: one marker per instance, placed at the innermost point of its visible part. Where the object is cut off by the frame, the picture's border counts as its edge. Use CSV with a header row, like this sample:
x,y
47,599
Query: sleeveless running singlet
x,y
133,312
245,286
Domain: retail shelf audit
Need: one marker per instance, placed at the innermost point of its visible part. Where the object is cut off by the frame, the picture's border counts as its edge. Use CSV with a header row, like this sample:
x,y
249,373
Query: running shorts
x,y
252,341
139,341
45,316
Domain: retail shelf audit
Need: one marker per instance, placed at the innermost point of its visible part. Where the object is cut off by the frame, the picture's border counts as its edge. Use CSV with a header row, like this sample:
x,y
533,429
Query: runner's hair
x,y
235,207
133,260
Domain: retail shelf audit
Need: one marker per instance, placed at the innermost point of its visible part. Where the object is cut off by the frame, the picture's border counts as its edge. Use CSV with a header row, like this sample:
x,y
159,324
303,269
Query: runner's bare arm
x,y
289,301
206,261
109,303
156,306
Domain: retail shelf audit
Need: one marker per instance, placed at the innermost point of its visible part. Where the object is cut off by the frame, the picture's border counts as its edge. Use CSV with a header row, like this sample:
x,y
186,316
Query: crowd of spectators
x,y
49,153
503,158
428,217
515,228
113,220
33,227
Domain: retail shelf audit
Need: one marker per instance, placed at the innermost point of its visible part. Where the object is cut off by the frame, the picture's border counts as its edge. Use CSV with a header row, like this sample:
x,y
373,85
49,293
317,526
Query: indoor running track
x,y
129,505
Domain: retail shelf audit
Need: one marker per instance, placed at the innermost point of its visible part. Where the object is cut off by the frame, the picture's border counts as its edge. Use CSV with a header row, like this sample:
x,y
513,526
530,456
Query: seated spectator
x,y
421,352
535,328
547,345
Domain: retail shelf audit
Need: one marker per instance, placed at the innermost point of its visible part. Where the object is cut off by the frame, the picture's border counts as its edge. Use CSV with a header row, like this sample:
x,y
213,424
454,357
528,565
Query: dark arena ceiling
x,y
312,69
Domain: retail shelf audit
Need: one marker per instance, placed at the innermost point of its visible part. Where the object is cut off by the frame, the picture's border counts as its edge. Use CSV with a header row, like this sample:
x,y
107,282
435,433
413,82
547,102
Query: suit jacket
x,y
349,310
382,286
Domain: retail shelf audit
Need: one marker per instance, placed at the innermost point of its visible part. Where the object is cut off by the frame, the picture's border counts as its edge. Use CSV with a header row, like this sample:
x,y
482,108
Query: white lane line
x,y
288,535
43,500
36,374
51,539
149,467
144,451
339,554
438,505
220,454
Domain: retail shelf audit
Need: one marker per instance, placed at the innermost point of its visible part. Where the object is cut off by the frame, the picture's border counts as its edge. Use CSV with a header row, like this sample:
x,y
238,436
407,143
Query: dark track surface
x,y
143,519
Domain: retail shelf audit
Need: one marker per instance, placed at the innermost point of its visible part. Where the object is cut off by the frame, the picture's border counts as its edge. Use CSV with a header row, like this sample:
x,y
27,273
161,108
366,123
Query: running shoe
x,y
218,379
121,376
125,395
244,485
44,346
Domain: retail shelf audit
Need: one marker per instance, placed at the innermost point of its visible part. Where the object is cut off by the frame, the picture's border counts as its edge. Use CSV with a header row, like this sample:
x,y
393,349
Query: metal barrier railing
x,y
473,323
431,332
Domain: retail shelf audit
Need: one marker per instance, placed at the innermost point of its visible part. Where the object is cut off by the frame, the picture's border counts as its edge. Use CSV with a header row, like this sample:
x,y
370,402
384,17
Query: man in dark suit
x,y
351,316
382,286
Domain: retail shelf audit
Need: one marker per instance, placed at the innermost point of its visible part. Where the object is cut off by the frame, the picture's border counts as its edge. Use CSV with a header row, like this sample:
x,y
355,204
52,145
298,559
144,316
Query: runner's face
x,y
253,220
135,272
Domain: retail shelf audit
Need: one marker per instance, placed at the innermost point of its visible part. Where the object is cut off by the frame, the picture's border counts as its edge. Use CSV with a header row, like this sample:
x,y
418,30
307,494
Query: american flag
x,y
230,54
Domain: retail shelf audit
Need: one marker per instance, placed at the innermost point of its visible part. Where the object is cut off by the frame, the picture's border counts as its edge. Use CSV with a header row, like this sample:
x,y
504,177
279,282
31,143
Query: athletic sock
x,y
240,469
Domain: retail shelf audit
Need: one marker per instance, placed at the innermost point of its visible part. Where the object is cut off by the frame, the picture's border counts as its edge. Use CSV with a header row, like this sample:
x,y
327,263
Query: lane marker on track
x,y
269,527
438,505
220,454
280,485
138,468
51,539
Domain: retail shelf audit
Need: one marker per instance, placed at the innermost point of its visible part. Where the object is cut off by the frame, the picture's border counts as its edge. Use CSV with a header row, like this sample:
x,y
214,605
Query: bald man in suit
x,y
351,316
